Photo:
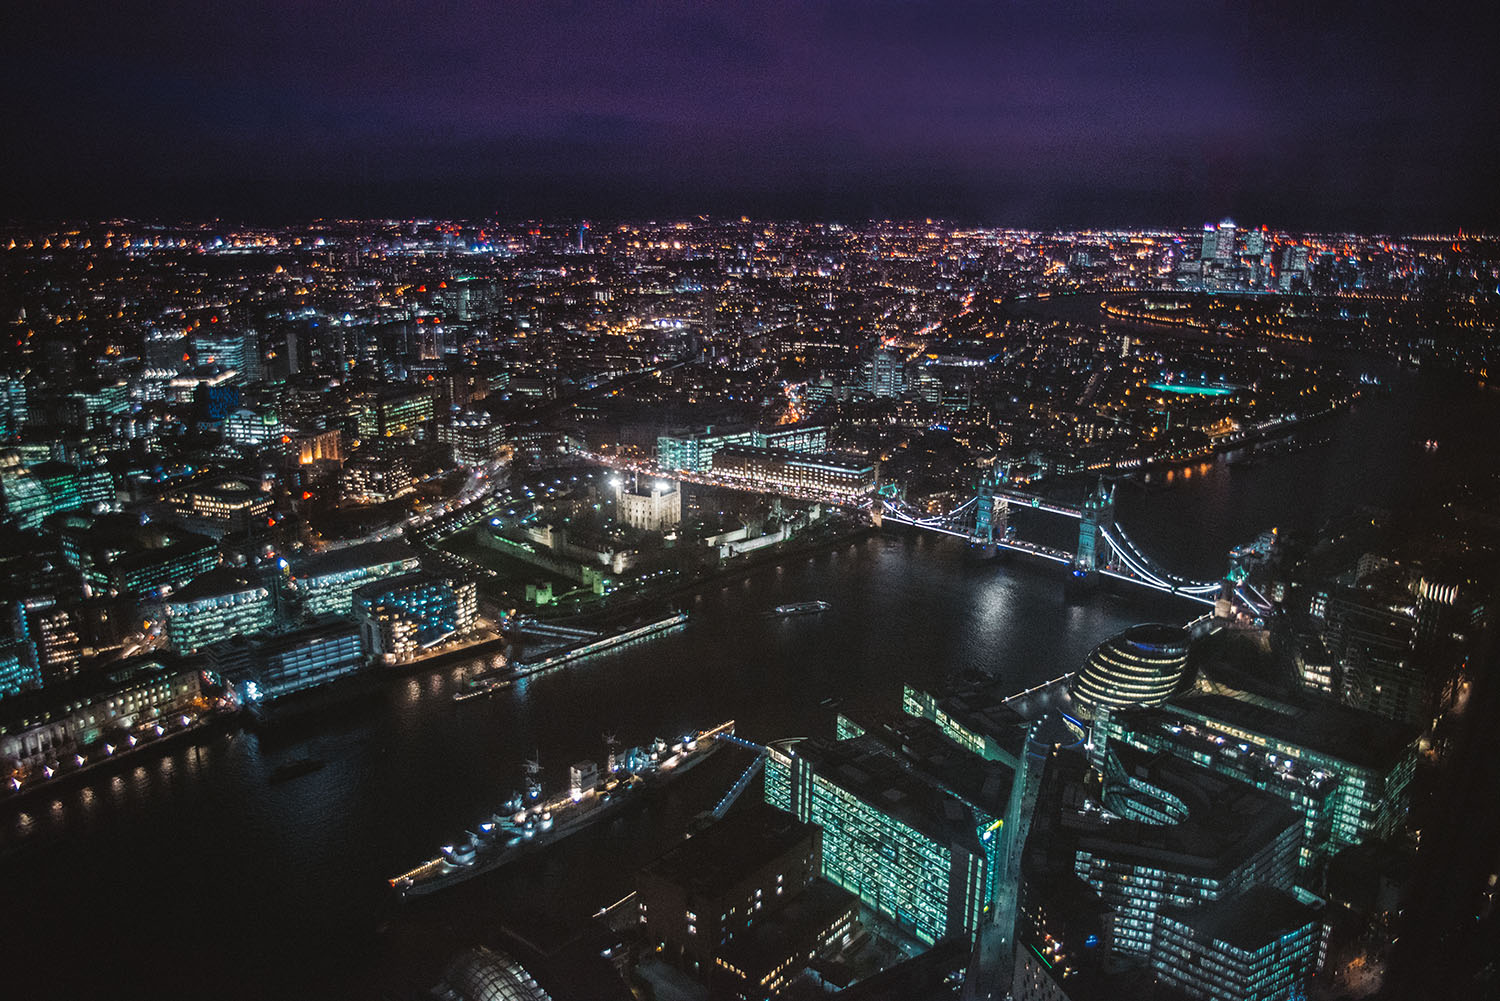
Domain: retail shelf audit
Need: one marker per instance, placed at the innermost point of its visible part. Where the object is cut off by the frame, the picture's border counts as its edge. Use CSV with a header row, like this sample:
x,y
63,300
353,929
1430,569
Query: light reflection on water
x,y
407,770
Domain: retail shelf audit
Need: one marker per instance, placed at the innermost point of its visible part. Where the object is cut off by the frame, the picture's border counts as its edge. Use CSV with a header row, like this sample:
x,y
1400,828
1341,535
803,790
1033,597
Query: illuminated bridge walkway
x,y
1103,546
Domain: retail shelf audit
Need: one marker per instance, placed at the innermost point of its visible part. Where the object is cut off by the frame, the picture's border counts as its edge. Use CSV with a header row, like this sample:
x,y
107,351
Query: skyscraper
x,y
885,374
1225,248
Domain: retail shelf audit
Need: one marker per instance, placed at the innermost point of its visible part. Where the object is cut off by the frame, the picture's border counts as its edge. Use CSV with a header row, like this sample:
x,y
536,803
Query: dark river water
x,y
194,875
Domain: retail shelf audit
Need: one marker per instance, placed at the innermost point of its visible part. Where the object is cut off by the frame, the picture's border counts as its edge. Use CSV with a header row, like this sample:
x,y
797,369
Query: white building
x,y
655,506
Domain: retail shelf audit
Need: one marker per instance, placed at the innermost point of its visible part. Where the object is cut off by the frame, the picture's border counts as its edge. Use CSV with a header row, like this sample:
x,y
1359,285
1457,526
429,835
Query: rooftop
x,y
1249,920
864,767
718,859
224,580
791,930
1351,735
1225,820
366,554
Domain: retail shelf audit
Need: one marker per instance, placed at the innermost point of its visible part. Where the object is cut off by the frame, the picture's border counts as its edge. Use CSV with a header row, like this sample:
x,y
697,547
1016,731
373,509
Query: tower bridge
x,y
1104,549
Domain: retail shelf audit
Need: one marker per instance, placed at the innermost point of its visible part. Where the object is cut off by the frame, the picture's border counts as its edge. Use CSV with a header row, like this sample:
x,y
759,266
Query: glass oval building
x,y
1141,666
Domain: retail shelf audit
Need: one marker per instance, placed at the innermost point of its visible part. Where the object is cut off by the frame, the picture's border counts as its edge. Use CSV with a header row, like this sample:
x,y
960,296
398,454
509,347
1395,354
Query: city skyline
x,y
608,501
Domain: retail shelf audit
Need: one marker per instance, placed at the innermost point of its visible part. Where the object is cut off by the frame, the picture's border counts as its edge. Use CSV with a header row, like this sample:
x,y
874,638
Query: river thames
x,y
192,869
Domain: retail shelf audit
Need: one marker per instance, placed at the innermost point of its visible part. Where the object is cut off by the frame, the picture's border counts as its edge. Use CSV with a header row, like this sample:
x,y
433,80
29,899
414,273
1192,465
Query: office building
x,y
476,438
910,851
394,414
30,493
40,728
770,955
370,478
820,474
401,616
219,508
121,554
251,427
885,374
17,670
698,897
695,452
1224,246
1185,836
1141,666
305,658
1373,759
1260,945
325,583
220,346
219,605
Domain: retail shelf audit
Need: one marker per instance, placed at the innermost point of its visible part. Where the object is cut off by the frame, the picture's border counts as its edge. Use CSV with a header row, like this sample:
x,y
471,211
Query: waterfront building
x,y
655,506
325,583
219,605
909,850
401,616
779,469
974,717
40,728
305,658
698,897
1141,666
219,508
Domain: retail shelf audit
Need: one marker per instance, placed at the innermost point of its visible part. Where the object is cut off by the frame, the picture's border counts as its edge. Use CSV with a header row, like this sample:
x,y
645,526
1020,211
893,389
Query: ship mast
x,y
533,772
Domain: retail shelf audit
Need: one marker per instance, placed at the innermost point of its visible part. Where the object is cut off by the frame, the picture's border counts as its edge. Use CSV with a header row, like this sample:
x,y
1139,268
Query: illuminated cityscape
x,y
915,502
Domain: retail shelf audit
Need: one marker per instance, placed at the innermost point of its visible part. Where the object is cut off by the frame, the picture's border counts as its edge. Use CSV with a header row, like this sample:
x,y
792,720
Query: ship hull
x,y
440,873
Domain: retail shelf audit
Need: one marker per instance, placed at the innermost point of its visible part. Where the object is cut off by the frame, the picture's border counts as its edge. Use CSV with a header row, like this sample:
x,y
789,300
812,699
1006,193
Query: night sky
x,y
1304,115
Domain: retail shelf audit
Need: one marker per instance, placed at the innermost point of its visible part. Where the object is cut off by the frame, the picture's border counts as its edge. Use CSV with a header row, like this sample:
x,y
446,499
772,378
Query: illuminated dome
x,y
481,974
1141,666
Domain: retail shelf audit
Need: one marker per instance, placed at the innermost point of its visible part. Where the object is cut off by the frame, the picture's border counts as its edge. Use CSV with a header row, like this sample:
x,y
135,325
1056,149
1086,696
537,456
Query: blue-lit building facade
x,y
695,452
269,667
325,583
403,616
1186,837
215,607
1262,945
912,852
1346,770
18,670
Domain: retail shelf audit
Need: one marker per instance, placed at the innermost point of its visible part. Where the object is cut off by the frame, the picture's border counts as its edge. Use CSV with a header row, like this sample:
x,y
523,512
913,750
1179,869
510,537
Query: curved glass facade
x,y
1141,666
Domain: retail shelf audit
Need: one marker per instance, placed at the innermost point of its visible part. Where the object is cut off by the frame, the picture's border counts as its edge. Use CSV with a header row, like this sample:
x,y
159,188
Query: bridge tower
x,y
1098,509
991,513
